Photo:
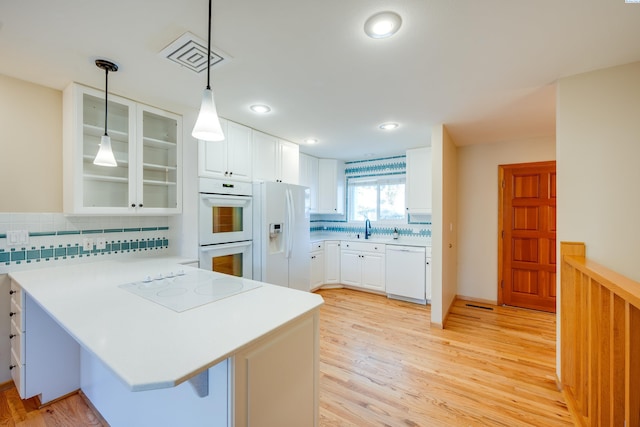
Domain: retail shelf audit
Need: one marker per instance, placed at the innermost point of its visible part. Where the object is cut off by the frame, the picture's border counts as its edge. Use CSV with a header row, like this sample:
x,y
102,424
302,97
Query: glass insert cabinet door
x,y
106,187
146,143
159,154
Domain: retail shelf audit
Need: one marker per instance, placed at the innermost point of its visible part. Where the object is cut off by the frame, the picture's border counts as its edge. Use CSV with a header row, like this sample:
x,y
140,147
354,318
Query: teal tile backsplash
x,y
54,237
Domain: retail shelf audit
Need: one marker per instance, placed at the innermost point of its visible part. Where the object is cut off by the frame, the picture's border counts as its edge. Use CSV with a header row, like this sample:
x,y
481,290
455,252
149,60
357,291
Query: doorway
x,y
527,235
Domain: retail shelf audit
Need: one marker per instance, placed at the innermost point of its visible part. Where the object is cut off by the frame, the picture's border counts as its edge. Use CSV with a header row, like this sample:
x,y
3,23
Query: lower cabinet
x,y
282,389
44,358
362,265
332,262
317,265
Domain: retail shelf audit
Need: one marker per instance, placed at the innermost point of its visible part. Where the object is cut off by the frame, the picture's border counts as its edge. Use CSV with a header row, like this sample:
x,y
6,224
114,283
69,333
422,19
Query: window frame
x,y
378,181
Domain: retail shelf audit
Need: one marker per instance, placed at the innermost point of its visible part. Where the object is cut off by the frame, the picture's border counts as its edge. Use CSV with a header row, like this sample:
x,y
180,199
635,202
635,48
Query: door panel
x,y
528,235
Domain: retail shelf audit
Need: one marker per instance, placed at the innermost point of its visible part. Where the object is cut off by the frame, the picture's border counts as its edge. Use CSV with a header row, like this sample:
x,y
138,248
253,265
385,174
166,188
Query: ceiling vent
x,y
190,52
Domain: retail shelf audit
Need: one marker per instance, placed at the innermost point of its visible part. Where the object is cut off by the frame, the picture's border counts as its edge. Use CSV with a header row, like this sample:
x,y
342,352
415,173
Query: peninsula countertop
x,y
149,346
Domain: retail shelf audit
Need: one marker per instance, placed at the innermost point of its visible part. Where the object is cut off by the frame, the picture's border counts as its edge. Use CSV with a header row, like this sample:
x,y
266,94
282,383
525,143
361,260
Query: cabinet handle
x,y
11,314
140,205
230,173
12,366
12,336
11,292
133,205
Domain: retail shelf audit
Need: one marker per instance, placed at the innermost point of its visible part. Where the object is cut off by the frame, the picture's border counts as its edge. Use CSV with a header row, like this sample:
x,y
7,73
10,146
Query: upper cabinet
x,y
275,159
308,177
419,181
147,145
230,158
330,186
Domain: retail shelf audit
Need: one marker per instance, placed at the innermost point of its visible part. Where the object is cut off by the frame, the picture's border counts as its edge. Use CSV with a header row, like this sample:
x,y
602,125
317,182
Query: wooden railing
x,y
600,341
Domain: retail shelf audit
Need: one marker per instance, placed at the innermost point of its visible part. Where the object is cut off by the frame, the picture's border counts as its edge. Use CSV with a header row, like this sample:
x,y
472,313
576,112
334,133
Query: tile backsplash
x,y
55,238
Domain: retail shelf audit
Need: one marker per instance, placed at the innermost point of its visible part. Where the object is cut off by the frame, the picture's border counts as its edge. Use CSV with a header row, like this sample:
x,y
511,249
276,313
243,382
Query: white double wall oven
x,y
225,226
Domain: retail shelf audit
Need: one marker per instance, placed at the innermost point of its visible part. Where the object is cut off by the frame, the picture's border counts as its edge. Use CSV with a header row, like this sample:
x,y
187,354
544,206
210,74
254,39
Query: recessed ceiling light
x,y
389,126
311,141
382,25
260,108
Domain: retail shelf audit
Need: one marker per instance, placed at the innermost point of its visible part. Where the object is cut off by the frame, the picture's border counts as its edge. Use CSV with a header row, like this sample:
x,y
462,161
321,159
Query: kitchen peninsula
x,y
249,358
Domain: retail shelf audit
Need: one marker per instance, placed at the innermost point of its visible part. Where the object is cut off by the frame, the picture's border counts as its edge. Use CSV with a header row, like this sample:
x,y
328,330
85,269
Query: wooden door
x,y
528,235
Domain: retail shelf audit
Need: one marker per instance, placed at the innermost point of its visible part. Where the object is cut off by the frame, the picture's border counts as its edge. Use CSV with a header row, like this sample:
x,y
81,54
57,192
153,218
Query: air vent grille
x,y
190,52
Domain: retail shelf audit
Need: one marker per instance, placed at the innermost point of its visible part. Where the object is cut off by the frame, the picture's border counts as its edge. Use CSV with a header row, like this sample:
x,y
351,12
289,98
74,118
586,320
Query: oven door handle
x,y
226,200
208,248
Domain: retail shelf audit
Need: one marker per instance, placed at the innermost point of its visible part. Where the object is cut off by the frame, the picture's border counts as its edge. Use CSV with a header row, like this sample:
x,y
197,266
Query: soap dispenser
x,y
395,234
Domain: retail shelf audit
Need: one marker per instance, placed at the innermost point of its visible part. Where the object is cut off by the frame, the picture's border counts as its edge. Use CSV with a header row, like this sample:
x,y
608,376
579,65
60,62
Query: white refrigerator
x,y
281,234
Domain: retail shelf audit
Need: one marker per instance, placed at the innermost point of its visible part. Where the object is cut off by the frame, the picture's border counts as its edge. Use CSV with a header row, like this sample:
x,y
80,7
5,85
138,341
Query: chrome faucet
x,y
367,228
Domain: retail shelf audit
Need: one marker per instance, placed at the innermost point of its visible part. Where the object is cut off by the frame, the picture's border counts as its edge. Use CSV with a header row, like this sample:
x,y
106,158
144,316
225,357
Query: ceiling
x,y
486,69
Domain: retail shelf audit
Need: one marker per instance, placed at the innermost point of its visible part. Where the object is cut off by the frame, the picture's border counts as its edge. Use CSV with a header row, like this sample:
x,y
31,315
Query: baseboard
x,y
478,300
572,405
93,408
328,286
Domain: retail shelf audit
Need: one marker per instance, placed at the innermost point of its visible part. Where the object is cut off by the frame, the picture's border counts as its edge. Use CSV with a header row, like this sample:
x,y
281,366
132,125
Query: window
x,y
377,198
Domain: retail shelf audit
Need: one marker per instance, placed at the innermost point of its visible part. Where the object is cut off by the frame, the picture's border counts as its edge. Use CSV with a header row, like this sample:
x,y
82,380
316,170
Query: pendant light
x,y
207,127
105,154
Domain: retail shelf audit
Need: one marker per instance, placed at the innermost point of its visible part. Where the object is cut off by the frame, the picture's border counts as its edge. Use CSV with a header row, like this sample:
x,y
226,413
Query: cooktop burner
x,y
182,291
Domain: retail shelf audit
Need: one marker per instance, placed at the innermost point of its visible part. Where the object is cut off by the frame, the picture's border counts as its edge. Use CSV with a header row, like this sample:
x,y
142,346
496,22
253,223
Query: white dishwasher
x,y
405,274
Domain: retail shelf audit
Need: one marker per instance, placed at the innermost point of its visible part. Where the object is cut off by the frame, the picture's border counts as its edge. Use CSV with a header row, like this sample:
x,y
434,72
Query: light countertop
x,y
387,240
146,345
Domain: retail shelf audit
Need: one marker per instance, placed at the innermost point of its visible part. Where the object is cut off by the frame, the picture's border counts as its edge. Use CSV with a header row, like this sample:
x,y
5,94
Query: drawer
x,y
17,341
16,315
16,293
317,246
362,246
17,374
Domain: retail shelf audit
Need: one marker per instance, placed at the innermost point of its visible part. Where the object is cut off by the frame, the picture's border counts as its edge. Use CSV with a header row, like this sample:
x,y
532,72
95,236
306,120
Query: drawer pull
x,y
12,336
11,292
12,366
11,314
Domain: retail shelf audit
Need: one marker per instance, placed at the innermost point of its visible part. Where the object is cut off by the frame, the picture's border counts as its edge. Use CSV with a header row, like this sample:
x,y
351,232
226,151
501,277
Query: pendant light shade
x,y
207,127
105,155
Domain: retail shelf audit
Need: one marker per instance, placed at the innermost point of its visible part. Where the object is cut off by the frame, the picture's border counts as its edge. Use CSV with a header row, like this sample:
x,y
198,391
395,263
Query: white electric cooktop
x,y
181,291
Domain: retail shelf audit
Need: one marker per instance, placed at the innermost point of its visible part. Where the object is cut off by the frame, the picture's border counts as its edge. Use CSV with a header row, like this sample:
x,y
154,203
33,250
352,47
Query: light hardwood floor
x,y
382,365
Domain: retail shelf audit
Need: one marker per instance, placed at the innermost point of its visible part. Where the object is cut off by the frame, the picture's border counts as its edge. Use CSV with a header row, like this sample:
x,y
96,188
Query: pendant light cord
x,y
106,95
209,48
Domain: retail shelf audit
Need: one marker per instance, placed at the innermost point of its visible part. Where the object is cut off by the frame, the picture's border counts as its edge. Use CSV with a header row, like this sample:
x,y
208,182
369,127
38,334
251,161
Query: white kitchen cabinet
x,y
330,186
45,360
277,377
419,181
289,162
332,262
362,265
230,158
317,265
308,177
147,145
276,160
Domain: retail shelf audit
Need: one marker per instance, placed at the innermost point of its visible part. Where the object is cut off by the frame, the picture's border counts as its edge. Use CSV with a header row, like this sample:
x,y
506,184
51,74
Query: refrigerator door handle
x,y
290,225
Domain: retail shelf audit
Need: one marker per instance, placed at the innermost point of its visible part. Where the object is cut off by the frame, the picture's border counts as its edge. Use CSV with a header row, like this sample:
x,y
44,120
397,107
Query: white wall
x,y
478,210
30,147
598,150
444,223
